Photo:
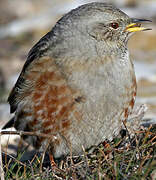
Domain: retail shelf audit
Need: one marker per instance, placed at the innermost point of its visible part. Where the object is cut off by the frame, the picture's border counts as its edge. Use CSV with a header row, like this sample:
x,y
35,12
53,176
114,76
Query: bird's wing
x,y
41,76
37,51
43,96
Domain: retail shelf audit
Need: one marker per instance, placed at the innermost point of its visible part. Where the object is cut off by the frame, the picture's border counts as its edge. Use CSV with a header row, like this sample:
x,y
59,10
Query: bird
x,y
78,83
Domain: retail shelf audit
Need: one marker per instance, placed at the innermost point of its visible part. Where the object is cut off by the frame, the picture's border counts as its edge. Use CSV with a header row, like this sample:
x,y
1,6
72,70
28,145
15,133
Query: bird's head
x,y
96,24
106,23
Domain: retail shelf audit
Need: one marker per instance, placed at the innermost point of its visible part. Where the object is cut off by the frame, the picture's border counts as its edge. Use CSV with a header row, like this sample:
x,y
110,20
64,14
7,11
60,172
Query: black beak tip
x,y
147,29
135,20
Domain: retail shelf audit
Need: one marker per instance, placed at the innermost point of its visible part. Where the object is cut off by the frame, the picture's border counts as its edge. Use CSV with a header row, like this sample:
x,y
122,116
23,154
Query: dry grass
x,y
123,158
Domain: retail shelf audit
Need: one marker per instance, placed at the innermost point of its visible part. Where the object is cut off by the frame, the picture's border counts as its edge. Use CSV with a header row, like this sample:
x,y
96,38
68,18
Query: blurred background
x,y
24,22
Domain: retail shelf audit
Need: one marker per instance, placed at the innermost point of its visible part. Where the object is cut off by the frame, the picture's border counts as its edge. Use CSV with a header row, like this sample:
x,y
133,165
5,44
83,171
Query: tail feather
x,y
9,124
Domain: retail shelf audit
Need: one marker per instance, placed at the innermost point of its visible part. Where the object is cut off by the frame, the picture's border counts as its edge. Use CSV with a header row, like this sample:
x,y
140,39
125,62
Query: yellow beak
x,y
136,25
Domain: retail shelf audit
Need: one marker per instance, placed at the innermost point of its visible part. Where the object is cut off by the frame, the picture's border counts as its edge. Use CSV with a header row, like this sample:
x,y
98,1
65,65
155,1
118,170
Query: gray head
x,y
95,20
89,29
91,25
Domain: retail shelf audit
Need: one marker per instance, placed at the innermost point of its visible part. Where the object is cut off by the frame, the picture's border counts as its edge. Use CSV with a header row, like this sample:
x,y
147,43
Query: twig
x,y
1,163
15,159
22,133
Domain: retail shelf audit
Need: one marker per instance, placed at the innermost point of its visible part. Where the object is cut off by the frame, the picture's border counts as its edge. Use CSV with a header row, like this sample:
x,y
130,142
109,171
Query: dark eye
x,y
114,25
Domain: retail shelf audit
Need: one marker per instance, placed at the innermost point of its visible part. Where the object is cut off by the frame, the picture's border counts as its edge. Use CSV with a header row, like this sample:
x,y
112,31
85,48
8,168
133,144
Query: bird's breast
x,y
106,82
109,90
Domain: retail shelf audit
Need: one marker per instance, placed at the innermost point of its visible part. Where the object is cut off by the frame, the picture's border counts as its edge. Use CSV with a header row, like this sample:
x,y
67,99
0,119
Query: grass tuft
x,y
123,158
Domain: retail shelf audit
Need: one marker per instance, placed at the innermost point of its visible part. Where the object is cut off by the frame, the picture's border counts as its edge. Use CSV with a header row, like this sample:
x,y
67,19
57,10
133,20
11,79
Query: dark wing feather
x,y
37,51
9,124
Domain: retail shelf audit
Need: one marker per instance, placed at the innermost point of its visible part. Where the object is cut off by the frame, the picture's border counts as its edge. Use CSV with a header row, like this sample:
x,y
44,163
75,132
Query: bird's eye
x,y
114,25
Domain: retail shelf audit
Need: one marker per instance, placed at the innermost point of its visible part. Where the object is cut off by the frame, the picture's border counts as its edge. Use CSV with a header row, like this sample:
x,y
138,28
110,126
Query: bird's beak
x,y
135,25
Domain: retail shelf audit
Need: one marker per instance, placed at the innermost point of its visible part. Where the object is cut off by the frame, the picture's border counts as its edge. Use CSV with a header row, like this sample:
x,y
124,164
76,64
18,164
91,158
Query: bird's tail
x,y
9,124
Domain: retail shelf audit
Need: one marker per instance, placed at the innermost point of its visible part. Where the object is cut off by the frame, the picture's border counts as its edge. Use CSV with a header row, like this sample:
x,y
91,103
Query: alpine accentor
x,y
78,83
